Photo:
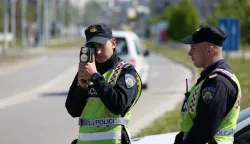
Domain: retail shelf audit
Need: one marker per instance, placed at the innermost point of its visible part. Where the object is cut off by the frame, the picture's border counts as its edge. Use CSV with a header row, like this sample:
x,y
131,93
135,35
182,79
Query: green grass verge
x,y
169,122
64,43
54,43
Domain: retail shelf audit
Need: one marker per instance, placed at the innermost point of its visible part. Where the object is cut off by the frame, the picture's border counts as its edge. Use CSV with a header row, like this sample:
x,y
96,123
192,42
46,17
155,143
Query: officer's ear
x,y
210,49
113,41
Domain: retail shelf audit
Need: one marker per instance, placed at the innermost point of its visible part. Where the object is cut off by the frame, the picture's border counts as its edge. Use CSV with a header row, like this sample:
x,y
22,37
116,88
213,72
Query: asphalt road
x,y
32,98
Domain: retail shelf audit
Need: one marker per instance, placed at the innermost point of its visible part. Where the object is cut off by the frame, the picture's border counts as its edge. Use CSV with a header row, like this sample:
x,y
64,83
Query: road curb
x,y
194,71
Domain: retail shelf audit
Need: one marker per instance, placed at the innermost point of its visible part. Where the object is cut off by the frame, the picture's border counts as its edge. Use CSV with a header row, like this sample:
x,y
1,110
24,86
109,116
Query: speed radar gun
x,y
85,55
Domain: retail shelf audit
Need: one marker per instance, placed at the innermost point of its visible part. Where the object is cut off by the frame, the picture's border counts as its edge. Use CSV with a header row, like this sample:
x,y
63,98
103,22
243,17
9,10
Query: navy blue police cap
x,y
206,33
98,33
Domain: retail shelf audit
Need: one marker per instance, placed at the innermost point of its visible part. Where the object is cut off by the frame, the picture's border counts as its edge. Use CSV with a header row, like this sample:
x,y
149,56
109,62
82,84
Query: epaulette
x,y
127,65
213,76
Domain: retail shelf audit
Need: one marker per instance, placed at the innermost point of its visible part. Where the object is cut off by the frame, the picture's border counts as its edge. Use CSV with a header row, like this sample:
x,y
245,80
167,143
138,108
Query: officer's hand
x,y
88,69
179,138
82,80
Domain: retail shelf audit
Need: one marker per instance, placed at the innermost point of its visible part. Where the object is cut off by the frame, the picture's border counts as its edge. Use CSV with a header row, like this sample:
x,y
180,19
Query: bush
x,y
183,19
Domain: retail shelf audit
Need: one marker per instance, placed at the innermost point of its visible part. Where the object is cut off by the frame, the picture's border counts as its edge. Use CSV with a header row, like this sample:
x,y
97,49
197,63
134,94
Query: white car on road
x,y
130,49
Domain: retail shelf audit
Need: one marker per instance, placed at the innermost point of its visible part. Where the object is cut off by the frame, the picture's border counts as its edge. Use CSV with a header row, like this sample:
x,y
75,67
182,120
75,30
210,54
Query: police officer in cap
x,y
211,108
103,104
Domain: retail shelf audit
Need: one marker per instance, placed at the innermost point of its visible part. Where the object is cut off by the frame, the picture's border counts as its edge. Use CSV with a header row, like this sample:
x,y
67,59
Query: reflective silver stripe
x,y
99,136
227,142
225,132
222,132
103,122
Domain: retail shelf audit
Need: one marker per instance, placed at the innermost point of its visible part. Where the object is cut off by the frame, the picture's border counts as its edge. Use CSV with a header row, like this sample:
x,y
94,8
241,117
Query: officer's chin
x,y
100,60
197,65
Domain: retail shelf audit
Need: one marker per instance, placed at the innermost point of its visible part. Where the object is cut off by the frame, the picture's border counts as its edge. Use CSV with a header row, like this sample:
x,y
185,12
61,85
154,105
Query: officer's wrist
x,y
95,76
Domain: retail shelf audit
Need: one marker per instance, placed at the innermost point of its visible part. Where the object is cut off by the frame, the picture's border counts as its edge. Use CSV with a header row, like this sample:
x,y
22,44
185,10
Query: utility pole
x,y
67,18
57,9
62,12
111,4
79,12
135,4
45,22
79,18
13,22
6,27
23,24
206,6
38,21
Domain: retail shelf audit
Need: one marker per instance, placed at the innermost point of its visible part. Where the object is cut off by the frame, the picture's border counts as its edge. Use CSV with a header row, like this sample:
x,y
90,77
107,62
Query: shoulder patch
x,y
129,80
208,94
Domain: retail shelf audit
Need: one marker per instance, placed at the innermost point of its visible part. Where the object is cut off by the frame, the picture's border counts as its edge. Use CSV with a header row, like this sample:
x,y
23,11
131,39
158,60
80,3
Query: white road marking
x,y
34,93
23,63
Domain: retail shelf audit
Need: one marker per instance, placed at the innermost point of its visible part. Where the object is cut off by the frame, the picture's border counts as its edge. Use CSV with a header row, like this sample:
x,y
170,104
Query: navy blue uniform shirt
x,y
117,99
211,111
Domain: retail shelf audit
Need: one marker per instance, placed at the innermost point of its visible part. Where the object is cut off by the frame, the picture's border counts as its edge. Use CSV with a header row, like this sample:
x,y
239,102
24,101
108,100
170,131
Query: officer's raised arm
x,y
109,88
76,98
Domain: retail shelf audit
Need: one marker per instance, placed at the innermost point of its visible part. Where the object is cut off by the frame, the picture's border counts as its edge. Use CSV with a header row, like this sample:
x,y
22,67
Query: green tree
x,y
168,11
155,19
183,19
234,9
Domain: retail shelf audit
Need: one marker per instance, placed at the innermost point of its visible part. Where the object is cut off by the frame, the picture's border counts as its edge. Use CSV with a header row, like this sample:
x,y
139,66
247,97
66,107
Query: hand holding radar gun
x,y
86,56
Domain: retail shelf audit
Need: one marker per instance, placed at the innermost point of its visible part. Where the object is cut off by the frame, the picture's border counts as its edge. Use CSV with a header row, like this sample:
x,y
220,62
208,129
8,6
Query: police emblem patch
x,y
93,29
129,80
208,94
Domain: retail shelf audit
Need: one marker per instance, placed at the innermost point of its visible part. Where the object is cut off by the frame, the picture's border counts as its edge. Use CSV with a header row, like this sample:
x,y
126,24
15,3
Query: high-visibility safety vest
x,y
97,124
225,133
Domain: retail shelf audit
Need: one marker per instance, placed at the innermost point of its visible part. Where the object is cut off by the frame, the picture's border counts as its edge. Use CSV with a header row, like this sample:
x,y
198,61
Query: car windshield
x,y
121,46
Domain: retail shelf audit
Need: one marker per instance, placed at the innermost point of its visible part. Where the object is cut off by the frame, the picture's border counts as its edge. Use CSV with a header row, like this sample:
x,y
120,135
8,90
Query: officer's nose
x,y
190,51
98,51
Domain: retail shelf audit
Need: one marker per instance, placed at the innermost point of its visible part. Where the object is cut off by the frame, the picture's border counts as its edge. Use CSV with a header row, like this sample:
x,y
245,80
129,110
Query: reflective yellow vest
x,y
97,124
225,134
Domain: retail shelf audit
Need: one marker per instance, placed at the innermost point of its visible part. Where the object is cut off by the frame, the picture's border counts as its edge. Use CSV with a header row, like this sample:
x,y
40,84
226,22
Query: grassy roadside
x,y
65,43
54,43
17,56
169,122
